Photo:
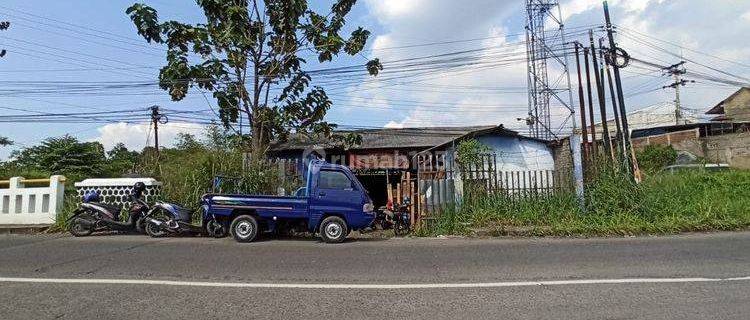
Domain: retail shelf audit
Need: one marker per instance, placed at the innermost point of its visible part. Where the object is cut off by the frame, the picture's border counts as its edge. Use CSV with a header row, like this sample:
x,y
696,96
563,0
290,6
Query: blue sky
x,y
42,49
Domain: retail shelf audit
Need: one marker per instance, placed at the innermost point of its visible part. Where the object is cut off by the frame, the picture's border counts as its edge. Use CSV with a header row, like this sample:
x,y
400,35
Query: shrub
x,y
614,205
655,157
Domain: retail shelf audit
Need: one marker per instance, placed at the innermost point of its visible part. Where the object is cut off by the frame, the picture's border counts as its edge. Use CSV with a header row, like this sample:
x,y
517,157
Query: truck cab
x,y
332,204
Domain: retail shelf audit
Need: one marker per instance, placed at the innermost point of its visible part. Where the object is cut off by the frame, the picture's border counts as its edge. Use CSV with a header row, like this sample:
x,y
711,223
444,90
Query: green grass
x,y
663,204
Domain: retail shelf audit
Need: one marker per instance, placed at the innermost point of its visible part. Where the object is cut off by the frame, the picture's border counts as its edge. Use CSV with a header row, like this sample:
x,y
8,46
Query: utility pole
x,y
600,94
677,70
618,83
613,96
156,118
592,123
582,103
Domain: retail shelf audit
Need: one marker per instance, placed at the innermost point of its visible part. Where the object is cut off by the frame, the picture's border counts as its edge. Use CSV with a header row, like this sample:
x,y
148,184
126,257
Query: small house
x,y
735,108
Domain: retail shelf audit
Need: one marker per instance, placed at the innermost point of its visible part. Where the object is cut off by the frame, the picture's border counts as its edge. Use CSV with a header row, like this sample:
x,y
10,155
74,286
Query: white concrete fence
x,y
117,191
26,205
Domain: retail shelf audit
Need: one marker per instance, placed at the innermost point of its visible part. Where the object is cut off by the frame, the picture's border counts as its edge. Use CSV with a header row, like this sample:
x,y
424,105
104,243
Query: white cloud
x,y
746,16
575,7
716,33
134,136
389,9
433,100
394,125
439,100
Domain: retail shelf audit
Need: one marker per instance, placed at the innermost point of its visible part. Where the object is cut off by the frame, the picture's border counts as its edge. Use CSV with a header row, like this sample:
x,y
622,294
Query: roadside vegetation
x,y
186,169
614,205
663,203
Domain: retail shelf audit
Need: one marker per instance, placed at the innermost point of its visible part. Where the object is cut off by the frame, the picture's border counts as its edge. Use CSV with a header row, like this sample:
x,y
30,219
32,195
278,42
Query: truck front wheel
x,y
244,228
333,230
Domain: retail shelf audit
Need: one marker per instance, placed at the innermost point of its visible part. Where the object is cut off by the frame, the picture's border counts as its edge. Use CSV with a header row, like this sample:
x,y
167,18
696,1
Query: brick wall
x,y
732,148
672,138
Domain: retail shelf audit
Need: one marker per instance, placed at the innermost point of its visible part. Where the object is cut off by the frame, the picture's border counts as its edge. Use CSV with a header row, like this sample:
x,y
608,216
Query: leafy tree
x,y
63,155
187,142
4,142
469,153
4,25
469,156
120,160
247,46
220,138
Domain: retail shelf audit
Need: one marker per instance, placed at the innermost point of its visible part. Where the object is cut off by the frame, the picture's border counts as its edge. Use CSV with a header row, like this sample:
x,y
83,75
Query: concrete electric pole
x,y
156,118
677,70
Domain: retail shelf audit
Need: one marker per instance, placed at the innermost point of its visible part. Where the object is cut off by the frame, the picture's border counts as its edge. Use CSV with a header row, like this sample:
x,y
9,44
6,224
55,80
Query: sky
x,y
94,41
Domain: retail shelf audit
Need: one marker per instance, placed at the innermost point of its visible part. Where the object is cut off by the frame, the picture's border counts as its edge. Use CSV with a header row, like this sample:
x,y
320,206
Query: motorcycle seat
x,y
114,210
180,213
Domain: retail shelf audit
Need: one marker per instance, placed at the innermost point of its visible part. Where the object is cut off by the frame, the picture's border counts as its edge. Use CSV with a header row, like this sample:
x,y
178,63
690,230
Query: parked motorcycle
x,y
167,218
397,220
93,215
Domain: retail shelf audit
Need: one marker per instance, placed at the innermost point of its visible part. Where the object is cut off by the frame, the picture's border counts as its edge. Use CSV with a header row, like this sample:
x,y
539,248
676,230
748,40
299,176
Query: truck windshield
x,y
334,180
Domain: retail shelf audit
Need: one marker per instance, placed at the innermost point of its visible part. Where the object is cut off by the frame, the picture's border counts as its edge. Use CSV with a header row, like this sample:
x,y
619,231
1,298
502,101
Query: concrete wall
x,y
563,156
22,205
732,149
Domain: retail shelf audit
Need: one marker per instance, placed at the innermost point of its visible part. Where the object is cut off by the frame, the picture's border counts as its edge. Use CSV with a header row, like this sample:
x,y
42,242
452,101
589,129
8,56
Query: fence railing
x,y
31,201
442,185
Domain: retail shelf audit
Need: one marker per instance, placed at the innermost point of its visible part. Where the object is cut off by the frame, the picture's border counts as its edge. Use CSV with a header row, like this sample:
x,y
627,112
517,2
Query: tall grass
x,y
664,203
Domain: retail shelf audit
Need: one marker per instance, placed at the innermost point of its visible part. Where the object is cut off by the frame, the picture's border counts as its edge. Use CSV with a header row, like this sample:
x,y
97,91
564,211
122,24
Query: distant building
x,y
658,115
735,108
725,139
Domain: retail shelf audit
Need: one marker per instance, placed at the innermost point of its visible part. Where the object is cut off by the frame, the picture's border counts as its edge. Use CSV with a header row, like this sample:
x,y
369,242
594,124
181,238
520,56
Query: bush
x,y
655,157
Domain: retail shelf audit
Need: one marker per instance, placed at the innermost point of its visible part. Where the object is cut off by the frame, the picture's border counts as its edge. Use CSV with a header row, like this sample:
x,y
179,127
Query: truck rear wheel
x,y
244,228
333,230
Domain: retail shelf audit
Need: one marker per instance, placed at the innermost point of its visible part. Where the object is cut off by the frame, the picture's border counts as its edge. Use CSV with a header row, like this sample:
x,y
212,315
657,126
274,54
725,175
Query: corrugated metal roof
x,y
387,138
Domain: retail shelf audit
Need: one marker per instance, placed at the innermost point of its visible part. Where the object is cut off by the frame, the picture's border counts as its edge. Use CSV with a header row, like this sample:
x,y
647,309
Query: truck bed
x,y
263,205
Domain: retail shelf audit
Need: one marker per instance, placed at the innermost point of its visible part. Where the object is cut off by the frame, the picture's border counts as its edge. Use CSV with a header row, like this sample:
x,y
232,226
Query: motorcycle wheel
x,y
216,229
400,228
155,231
80,227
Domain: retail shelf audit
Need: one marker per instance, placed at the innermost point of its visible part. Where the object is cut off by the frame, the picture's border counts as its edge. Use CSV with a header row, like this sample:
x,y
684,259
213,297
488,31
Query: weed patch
x,y
662,204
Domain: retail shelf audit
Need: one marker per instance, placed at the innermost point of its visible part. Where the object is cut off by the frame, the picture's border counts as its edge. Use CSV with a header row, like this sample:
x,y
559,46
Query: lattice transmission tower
x,y
548,72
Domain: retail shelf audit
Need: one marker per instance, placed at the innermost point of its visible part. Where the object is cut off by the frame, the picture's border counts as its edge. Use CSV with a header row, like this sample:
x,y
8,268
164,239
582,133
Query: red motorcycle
x,y
398,219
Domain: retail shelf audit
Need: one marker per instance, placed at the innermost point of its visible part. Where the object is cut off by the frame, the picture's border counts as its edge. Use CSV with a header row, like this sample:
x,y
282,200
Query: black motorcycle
x,y
167,218
397,220
94,215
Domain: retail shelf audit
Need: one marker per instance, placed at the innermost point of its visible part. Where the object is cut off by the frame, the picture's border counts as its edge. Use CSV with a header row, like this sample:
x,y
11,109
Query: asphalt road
x,y
135,277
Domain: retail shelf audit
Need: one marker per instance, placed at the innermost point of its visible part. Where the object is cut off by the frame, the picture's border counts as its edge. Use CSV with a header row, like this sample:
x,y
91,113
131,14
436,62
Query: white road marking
x,y
370,286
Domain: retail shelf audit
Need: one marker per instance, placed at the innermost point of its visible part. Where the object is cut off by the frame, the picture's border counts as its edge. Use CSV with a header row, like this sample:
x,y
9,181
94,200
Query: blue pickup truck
x,y
332,203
